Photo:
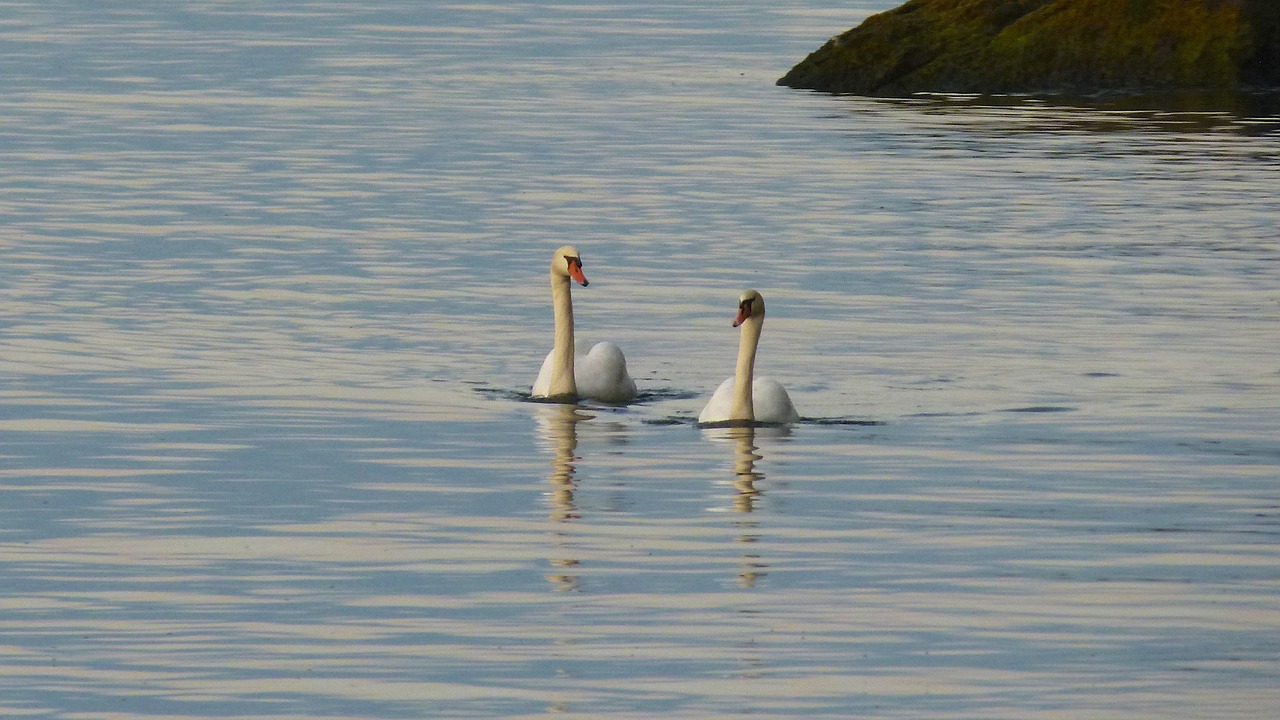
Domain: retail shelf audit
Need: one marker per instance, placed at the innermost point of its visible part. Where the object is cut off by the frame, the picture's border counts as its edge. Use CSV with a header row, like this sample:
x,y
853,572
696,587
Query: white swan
x,y
744,398
571,370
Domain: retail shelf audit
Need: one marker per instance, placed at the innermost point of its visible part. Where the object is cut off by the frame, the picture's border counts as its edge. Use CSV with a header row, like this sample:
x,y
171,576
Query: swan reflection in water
x,y
558,430
747,492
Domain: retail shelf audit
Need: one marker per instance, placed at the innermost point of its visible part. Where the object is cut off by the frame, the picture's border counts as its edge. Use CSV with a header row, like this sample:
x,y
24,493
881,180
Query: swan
x,y
576,369
746,399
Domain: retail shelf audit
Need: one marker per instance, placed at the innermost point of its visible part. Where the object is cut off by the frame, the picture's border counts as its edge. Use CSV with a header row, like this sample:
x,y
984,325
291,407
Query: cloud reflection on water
x,y
260,256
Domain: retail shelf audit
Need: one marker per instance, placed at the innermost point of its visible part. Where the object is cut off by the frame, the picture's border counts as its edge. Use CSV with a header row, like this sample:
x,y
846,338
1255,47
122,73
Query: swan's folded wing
x,y
720,404
601,373
771,402
542,386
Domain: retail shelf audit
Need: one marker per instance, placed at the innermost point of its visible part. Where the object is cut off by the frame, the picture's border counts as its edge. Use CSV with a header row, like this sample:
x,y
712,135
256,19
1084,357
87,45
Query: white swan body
x,y
770,403
571,370
745,398
599,372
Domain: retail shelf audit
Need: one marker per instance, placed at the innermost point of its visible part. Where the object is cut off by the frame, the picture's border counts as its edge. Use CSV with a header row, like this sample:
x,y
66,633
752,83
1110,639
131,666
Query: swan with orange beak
x,y
745,399
574,369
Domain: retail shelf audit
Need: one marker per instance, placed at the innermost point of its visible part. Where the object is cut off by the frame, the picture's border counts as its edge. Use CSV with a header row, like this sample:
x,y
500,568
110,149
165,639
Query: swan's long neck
x,y
562,382
743,406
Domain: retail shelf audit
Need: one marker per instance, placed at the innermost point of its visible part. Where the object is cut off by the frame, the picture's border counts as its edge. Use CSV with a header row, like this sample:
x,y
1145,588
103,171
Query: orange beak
x,y
575,272
744,312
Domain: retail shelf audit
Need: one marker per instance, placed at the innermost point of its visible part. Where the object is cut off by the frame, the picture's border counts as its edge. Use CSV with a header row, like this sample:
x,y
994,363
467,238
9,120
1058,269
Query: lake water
x,y
274,288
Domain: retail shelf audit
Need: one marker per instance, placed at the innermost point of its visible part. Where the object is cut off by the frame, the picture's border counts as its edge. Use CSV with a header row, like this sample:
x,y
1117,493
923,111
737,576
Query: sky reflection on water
x,y
275,292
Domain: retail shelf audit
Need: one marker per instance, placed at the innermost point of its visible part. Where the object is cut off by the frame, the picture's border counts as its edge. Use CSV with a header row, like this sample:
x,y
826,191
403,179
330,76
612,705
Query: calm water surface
x,y
274,284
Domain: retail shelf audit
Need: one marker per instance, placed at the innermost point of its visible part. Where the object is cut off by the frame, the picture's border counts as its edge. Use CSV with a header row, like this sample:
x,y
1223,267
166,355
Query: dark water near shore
x,y
275,283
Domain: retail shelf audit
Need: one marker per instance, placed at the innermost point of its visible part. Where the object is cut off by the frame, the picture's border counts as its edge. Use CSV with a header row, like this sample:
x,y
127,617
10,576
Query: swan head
x,y
567,263
750,305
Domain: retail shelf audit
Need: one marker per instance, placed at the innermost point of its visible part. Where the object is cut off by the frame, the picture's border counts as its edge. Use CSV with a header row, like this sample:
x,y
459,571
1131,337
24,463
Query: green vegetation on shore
x,y
1000,46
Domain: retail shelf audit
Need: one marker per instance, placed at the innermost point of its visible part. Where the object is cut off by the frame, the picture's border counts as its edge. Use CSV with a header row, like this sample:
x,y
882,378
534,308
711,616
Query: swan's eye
x,y
572,261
